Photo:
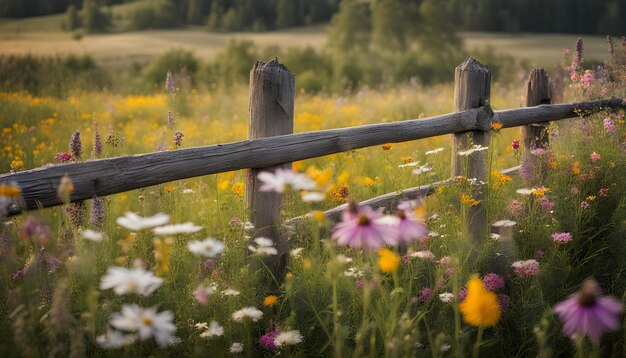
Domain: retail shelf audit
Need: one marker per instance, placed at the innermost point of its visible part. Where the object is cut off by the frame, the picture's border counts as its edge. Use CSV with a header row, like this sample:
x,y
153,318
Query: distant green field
x,y
43,36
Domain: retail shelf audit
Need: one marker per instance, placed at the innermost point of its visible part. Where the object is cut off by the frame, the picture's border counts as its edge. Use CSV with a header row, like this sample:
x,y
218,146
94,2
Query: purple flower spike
x,y
588,313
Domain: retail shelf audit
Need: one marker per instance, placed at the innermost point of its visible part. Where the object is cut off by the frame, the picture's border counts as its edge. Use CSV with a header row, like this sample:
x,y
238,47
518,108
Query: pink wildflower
x,y
574,190
515,207
588,313
526,268
603,192
515,144
409,226
562,237
546,204
364,227
595,156
585,205
609,125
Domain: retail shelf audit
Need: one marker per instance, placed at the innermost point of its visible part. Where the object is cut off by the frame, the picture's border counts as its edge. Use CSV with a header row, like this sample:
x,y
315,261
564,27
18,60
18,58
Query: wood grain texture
x,y
115,175
537,92
472,89
272,91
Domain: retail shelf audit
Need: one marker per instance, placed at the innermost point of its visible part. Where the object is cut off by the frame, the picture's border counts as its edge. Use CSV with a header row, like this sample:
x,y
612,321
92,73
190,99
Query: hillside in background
x,y
554,16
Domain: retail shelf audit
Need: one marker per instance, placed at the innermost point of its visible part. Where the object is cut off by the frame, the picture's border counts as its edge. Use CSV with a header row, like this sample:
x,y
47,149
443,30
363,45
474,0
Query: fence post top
x,y
472,64
270,65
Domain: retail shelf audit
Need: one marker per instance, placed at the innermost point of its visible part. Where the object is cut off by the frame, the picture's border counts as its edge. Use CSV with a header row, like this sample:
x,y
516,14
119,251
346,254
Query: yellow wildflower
x,y
406,160
367,181
10,191
500,179
496,126
388,261
318,215
238,189
575,168
170,188
386,146
223,185
591,198
467,199
480,306
541,191
270,300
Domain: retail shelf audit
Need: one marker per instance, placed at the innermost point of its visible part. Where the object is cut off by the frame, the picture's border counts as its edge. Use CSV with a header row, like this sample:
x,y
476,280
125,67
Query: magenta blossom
x,y
267,340
364,227
493,282
63,157
587,313
515,144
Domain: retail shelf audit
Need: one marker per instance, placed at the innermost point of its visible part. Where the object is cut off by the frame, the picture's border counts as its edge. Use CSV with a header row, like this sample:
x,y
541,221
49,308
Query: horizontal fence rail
x,y
114,175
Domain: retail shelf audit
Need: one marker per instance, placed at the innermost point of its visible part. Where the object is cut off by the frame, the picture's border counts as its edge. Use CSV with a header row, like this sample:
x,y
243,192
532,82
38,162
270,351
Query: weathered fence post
x,y
505,247
272,89
472,89
537,92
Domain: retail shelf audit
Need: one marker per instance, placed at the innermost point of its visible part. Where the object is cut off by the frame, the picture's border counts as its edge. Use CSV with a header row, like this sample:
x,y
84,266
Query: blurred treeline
x,y
316,71
563,16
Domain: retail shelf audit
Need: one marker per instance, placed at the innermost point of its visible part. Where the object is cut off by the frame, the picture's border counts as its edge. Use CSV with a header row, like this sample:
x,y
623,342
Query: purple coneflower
x,y
364,227
409,226
588,313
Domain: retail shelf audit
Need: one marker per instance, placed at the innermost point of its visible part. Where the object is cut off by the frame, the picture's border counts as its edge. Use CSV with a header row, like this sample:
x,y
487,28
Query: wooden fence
x,y
272,145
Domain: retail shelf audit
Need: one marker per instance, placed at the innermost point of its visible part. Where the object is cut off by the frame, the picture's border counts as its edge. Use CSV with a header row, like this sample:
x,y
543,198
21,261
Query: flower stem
x,y
479,338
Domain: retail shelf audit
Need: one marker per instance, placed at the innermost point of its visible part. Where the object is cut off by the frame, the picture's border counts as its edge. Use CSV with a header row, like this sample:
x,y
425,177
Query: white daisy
x,y
446,297
247,312
434,151
288,338
524,191
421,170
265,247
214,330
185,228
503,223
135,222
475,148
146,322
92,235
124,281
115,340
208,247
236,348
312,196
230,292
284,179
202,325
295,253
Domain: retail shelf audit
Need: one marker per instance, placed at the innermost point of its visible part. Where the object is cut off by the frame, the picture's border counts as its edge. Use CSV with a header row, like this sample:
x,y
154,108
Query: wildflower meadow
x,y
178,270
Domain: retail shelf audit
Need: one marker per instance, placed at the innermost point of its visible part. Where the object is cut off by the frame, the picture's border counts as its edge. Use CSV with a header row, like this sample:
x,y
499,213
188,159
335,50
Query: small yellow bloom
x,y
10,191
386,146
480,307
406,160
270,300
541,191
318,216
223,185
170,188
388,261
591,198
367,181
575,168
306,264
467,199
238,189
553,165
496,126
